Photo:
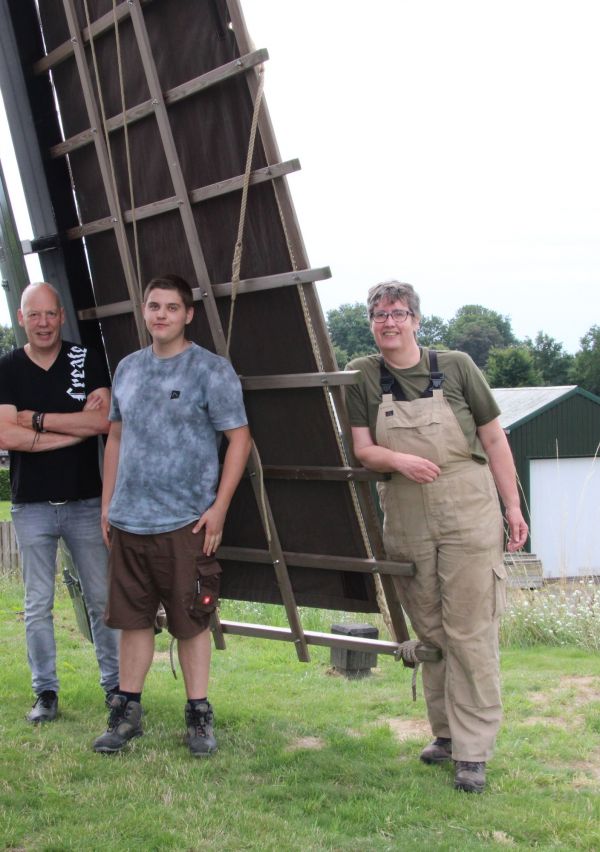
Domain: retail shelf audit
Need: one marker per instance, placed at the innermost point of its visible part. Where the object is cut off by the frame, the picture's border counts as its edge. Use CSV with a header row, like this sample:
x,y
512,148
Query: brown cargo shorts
x,y
167,568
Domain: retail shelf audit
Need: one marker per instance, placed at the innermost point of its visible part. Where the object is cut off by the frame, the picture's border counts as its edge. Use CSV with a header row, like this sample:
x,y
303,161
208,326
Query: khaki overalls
x,y
452,530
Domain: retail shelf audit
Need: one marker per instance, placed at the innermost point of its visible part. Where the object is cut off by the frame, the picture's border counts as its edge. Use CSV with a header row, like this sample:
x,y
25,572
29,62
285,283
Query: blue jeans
x,y
38,527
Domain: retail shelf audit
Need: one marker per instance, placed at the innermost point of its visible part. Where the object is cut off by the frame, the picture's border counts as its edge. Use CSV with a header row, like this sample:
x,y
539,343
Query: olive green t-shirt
x,y
464,387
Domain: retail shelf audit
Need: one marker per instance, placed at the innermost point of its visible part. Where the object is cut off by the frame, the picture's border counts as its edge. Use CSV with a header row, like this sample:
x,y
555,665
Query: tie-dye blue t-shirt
x,y
173,411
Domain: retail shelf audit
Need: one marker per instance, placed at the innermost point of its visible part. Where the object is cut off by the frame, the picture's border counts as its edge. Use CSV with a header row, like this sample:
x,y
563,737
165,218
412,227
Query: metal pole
x,y
31,169
12,264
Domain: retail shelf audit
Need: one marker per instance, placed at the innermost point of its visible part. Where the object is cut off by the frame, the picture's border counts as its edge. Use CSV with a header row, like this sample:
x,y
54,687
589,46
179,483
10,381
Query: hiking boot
x,y
109,695
469,776
45,707
199,736
438,751
124,724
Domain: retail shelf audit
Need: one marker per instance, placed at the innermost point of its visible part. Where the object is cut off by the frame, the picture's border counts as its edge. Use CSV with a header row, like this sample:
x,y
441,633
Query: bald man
x,y
54,402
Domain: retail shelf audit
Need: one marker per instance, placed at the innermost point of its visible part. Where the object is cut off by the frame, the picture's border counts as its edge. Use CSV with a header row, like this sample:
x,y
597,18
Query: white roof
x,y
518,403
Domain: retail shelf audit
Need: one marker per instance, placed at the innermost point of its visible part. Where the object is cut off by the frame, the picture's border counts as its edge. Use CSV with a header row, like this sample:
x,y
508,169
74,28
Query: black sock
x,y
198,700
131,696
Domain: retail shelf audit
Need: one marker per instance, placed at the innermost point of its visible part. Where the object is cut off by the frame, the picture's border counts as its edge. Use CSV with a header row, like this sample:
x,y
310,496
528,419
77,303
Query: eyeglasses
x,y
398,315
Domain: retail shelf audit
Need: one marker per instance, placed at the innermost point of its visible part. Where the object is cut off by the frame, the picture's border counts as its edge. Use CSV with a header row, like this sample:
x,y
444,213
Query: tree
x,y
475,330
341,356
586,366
512,367
7,339
550,359
350,332
433,332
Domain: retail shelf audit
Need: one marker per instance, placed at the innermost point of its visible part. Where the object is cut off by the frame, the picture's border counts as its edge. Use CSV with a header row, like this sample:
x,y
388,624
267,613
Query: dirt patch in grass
x,y
588,772
408,729
306,743
585,687
557,721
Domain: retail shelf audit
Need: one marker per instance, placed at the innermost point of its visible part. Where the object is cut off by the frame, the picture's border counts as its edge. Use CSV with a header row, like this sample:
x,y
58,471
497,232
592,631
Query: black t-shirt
x,y
70,473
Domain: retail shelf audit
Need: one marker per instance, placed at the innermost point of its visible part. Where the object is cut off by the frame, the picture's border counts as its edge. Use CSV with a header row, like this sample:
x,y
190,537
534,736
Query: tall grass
x,y
557,614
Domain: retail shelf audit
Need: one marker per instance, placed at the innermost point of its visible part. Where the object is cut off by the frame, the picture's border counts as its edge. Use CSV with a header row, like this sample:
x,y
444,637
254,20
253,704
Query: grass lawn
x,y
307,760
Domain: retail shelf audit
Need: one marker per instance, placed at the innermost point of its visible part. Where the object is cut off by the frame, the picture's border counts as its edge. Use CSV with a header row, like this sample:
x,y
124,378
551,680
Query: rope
x,y
379,593
172,656
237,254
100,98
104,122
136,244
407,651
235,278
236,272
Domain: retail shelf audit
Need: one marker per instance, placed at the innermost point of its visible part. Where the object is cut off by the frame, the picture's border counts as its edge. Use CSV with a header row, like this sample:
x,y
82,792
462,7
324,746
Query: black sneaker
x,y
199,719
124,724
45,707
469,776
438,751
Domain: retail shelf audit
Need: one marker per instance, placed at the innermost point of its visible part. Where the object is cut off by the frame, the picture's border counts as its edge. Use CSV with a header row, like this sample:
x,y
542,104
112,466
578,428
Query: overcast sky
x,y
453,145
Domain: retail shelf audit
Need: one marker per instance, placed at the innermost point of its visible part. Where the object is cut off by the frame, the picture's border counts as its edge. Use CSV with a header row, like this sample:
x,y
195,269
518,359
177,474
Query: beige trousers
x,y
452,530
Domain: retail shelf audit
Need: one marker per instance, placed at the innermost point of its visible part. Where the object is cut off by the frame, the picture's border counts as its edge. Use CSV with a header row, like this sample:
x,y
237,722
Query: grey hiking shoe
x,y
110,694
438,751
200,737
45,708
469,776
124,724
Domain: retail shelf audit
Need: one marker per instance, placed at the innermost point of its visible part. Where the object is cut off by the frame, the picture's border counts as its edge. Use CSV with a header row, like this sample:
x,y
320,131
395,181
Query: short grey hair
x,y
393,291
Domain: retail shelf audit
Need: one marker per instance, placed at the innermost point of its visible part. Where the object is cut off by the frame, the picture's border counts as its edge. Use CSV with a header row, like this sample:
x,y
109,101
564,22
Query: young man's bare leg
x,y
125,719
194,657
135,658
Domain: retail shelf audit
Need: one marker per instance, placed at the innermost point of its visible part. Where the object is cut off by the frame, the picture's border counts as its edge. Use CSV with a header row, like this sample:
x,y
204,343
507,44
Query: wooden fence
x,y
9,552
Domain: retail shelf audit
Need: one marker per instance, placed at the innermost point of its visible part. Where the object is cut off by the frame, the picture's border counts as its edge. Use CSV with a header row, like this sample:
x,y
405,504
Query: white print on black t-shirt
x,y
76,356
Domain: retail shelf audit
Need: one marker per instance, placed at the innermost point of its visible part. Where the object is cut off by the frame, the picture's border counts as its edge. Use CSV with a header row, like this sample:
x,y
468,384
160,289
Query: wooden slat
x,y
115,309
9,551
277,557
106,172
272,282
424,653
165,205
326,562
326,473
146,108
300,380
248,285
64,50
217,631
176,173
222,187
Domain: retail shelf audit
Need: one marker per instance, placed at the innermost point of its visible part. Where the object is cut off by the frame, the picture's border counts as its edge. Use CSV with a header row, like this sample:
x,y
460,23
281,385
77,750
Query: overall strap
x,y
389,383
436,379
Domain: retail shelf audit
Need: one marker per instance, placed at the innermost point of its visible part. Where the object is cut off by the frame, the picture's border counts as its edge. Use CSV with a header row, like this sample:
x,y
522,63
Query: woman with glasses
x,y
429,420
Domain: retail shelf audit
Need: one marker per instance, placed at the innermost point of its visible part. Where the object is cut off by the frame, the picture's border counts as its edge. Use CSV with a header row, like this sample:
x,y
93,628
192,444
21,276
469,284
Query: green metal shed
x,y
554,434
